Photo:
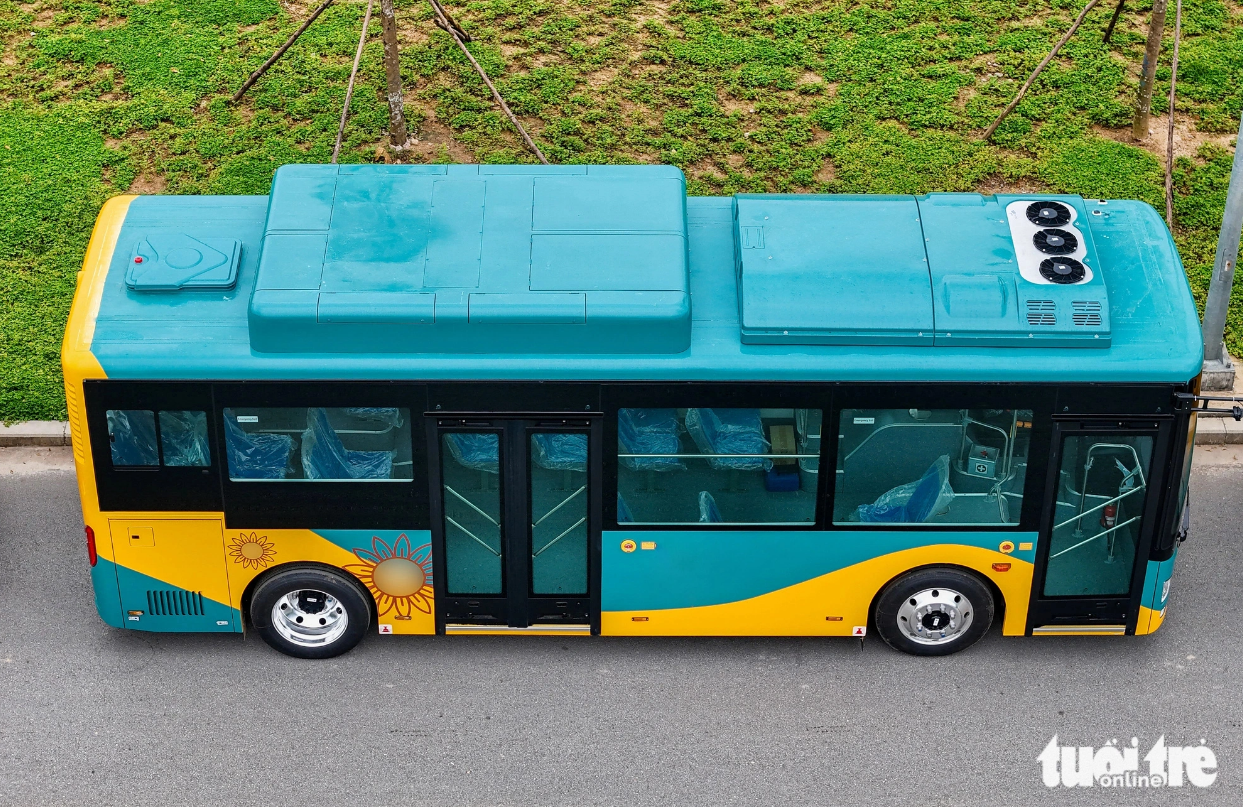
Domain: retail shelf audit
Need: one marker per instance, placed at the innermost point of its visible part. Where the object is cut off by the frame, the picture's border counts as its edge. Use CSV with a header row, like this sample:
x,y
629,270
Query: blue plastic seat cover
x,y
914,502
624,516
255,456
709,513
324,457
183,437
729,431
649,431
476,450
131,433
560,452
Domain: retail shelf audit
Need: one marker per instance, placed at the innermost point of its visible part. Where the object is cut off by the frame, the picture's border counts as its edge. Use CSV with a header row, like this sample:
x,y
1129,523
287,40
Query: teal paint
x,y
107,594
1156,582
380,543
134,587
691,568
1153,328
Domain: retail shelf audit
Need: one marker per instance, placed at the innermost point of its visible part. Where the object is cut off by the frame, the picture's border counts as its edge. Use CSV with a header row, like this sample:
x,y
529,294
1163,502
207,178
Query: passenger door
x,y
516,523
1105,479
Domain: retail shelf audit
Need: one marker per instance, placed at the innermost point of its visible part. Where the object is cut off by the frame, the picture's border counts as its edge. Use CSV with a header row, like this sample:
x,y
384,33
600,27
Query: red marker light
x,y
91,555
138,259
1001,567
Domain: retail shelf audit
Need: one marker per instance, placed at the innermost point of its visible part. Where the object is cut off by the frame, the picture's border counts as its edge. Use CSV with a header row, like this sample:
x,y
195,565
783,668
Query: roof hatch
x,y
474,259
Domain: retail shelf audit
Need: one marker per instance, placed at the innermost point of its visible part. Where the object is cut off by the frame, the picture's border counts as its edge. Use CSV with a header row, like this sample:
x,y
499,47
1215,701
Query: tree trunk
x,y
1152,52
392,71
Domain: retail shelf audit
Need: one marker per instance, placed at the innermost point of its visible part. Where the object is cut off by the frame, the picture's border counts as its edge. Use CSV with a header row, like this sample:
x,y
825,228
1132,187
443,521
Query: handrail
x,y
568,530
952,424
1087,466
472,506
1098,535
472,535
1105,503
716,456
564,502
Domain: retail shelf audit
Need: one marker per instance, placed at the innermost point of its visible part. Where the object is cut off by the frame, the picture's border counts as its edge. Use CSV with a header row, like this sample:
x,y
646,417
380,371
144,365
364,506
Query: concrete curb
x,y
35,433
1209,432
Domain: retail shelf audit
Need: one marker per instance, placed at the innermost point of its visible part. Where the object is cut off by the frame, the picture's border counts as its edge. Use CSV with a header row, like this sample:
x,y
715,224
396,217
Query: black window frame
x,y
155,488
325,504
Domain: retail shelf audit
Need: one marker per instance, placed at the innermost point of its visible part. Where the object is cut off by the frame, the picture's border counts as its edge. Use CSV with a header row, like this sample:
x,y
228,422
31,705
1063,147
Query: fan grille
x,y
1062,270
1055,242
1048,214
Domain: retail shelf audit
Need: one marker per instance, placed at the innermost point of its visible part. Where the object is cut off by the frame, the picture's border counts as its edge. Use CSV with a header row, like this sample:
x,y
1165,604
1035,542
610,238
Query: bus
x,y
573,401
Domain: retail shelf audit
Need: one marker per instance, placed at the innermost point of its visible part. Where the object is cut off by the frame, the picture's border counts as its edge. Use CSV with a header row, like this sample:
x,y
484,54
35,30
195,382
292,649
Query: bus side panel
x,y
383,560
743,583
1156,595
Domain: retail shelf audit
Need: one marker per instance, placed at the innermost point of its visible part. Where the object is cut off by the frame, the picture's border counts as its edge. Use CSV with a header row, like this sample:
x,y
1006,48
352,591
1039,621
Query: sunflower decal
x,y
399,578
252,551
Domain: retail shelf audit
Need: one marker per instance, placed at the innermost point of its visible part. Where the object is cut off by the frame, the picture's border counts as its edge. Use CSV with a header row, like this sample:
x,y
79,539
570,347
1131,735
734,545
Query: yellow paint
x,y
800,610
184,552
77,361
1149,621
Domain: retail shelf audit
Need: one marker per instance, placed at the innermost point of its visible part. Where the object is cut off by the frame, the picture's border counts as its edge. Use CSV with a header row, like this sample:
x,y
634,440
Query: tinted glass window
x,y
717,466
131,434
183,438
931,466
307,444
1102,487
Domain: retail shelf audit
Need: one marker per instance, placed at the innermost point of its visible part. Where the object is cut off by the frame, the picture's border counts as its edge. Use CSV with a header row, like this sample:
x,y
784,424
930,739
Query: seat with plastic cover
x,y
560,452
324,456
709,513
730,431
649,431
255,456
477,450
914,502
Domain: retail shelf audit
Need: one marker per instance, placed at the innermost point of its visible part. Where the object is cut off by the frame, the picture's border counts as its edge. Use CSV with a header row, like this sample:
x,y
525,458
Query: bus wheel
x,y
934,612
310,612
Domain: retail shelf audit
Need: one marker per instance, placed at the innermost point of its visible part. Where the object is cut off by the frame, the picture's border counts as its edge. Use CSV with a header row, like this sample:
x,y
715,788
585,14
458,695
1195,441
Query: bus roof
x,y
612,273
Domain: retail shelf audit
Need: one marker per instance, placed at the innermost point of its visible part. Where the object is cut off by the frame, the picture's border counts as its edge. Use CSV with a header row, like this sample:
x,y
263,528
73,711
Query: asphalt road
x,y
92,715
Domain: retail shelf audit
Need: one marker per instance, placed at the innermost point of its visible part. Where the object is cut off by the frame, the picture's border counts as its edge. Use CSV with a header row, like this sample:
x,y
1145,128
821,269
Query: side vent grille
x,y
1040,312
1086,312
174,602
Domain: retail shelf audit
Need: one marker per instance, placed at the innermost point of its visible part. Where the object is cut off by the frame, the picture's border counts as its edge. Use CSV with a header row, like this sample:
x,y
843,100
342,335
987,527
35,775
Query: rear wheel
x,y
934,612
310,612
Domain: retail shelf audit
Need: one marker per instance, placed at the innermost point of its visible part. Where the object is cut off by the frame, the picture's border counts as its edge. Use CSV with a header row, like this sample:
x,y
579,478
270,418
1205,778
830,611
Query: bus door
x,y
1105,478
516,522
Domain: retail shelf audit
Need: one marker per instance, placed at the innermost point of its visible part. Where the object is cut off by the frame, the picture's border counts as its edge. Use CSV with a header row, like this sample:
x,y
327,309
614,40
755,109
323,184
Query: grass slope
x,y
97,98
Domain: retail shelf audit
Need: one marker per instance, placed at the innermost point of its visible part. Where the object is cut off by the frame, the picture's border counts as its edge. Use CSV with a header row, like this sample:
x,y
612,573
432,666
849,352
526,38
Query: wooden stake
x,y
988,133
1169,131
397,134
443,22
349,88
263,68
1109,32
1148,74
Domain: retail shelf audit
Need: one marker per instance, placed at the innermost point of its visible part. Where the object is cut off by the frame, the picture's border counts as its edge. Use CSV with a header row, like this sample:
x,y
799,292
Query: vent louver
x,y
174,602
1086,312
1041,312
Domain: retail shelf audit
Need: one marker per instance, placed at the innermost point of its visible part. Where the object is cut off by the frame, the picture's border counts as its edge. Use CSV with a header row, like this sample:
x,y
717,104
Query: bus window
x,y
183,439
310,444
718,466
931,466
1102,486
131,434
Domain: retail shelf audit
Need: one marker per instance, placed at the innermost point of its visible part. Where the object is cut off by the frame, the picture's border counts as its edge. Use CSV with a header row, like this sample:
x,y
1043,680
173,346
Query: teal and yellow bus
x,y
570,400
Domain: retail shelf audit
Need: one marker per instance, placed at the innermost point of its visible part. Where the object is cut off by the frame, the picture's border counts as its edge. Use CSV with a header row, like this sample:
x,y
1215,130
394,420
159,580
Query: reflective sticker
x,y
1025,546
647,545
222,621
859,630
134,618
386,628
1165,591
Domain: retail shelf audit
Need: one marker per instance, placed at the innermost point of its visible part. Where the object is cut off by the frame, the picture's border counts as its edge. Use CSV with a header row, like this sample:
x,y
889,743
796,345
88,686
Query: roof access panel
x,y
832,270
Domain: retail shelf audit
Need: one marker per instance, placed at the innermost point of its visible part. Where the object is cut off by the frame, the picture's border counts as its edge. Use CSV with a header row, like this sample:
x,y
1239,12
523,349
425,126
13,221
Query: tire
x,y
310,613
934,612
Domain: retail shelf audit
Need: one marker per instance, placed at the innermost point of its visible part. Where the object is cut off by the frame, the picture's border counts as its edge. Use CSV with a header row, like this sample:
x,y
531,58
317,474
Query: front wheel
x,y
310,613
934,612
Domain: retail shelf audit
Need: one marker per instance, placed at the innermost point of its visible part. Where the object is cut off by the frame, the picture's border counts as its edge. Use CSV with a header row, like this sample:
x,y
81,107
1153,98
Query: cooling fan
x,y
1048,214
1061,270
1055,242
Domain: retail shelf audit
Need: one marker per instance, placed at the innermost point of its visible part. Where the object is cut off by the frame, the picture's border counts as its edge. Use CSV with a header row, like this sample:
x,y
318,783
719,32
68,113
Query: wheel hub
x,y
935,616
309,618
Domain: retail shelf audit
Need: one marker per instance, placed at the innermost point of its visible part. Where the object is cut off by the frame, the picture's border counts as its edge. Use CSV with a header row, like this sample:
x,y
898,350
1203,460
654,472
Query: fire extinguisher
x,y
1110,516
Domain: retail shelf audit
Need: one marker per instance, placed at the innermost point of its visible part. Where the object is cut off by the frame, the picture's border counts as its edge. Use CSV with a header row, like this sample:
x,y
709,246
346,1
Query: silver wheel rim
x,y
935,616
309,618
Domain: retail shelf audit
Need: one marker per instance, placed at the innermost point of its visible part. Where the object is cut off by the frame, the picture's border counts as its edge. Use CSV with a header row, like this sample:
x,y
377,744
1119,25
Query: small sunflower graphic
x,y
399,578
252,551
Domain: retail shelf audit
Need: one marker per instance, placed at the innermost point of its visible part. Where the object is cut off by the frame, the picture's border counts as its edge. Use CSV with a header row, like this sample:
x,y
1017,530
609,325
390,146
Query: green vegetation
x,y
97,98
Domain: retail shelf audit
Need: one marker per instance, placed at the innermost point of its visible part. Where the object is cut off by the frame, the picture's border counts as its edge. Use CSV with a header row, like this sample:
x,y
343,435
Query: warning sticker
x,y
859,630
386,628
